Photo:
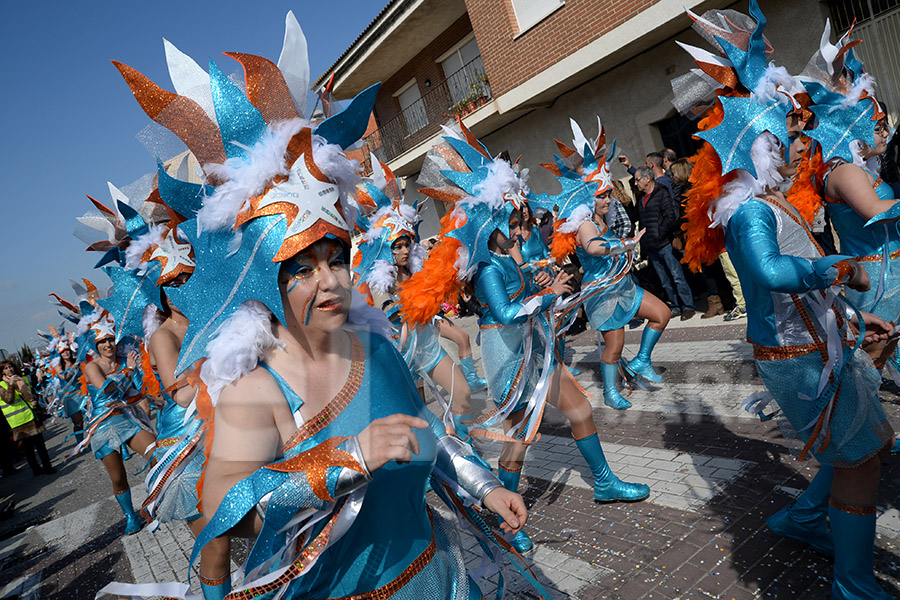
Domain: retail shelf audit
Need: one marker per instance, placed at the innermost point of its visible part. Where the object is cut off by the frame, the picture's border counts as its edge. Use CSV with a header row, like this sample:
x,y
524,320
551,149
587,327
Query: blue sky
x,y
69,121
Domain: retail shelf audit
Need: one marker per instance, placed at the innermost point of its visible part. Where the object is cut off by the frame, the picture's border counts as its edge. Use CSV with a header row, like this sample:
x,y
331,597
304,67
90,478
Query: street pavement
x,y
715,473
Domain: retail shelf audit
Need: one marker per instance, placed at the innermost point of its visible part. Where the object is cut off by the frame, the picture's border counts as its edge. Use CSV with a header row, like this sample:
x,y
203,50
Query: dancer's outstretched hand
x,y
877,329
509,506
390,438
859,281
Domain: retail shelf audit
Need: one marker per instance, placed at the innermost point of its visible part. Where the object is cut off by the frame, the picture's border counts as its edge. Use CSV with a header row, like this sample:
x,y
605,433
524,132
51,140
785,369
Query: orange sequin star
x,y
316,461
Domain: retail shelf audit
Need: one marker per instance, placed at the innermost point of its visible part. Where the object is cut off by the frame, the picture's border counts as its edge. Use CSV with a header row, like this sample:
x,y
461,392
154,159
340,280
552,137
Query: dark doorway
x,y
676,132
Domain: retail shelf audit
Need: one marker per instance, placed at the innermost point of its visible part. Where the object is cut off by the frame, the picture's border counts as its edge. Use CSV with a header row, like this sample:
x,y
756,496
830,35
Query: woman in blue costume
x,y
72,402
389,253
115,423
517,325
611,298
805,339
320,445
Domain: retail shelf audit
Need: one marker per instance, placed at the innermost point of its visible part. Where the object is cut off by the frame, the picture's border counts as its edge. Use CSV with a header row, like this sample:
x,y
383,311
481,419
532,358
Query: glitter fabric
x,y
266,88
182,116
131,293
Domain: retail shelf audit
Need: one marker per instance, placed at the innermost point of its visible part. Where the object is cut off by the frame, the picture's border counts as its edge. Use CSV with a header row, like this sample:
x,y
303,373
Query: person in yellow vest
x,y
15,400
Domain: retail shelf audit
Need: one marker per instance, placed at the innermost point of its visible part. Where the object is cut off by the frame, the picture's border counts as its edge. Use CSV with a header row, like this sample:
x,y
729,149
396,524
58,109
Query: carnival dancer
x,y
115,423
322,446
611,298
518,331
390,253
804,340
536,256
67,373
851,131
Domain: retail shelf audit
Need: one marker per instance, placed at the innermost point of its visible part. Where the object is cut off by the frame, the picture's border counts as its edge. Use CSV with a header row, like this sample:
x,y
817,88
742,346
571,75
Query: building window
x,y
530,12
412,107
463,69
845,12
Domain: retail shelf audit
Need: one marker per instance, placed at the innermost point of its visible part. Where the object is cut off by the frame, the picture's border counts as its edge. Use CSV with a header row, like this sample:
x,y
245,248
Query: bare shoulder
x,y
249,397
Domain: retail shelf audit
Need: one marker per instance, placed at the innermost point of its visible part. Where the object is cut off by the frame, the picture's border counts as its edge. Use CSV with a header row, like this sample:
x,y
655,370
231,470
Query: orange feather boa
x,y
806,193
422,294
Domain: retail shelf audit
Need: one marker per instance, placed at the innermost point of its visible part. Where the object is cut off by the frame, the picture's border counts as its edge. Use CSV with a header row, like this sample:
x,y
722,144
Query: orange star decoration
x,y
316,461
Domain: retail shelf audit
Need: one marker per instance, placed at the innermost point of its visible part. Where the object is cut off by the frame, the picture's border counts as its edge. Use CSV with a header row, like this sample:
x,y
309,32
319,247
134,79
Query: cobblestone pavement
x,y
715,474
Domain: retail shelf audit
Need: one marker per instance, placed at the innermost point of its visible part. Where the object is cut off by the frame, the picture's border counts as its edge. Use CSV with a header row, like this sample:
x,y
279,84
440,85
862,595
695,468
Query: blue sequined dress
x,y
502,288
73,401
396,546
178,500
870,245
794,315
614,298
112,422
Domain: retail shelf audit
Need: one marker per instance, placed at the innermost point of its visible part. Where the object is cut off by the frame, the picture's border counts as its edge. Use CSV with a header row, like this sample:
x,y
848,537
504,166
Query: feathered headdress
x,y
844,96
275,185
391,220
583,172
743,132
483,192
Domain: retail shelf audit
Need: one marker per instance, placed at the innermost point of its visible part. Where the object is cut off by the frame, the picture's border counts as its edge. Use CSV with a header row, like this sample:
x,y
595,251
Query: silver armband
x,y
349,480
451,459
622,247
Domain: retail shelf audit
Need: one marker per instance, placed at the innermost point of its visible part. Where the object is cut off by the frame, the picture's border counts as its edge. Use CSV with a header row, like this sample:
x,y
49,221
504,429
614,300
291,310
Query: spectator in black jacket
x,y
657,215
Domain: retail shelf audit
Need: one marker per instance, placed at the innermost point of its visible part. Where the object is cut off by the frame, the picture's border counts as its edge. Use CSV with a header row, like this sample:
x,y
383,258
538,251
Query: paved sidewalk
x,y
715,474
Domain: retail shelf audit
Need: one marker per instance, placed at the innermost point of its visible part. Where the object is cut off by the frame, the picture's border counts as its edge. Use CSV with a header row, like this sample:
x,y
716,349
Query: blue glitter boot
x,y
640,365
133,521
215,589
854,536
608,487
805,519
475,382
510,480
611,395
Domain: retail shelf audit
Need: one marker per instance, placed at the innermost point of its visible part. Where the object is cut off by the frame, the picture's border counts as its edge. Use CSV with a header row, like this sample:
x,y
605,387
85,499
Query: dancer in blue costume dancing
x,y
67,371
321,445
389,253
518,329
115,422
611,297
805,342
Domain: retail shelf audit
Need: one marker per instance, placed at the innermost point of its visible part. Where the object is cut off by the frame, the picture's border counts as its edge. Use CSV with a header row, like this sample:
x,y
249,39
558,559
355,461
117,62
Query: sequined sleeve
x,y
490,289
756,230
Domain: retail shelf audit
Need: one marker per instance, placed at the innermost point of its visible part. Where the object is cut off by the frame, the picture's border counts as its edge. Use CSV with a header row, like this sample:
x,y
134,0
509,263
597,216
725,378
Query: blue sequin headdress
x,y
482,193
275,184
391,219
844,99
583,172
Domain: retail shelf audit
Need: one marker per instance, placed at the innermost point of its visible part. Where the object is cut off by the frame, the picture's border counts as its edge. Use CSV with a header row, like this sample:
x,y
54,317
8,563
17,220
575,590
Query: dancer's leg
x,y
805,519
509,470
572,403
613,342
115,468
852,515
463,343
215,559
78,426
657,315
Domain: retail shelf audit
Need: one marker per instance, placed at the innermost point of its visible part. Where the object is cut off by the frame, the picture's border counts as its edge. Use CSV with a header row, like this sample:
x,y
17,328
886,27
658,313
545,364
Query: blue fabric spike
x,y
612,152
379,197
223,280
891,214
837,127
415,206
348,126
467,181
473,157
853,64
134,222
750,65
481,222
131,293
373,250
67,317
590,161
183,197
239,120
111,255
745,120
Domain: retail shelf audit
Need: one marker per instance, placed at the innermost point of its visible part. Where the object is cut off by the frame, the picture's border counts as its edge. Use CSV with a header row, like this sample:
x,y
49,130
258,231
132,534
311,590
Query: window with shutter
x,y
413,108
529,12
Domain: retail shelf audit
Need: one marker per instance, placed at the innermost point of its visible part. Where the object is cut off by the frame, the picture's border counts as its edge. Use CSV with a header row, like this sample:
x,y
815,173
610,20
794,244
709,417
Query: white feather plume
x,y
151,319
766,89
767,158
864,83
246,178
417,255
580,215
501,178
381,276
135,252
236,347
735,194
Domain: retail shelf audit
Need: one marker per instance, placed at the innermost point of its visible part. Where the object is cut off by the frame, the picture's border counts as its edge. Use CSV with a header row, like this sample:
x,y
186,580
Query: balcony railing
x,y
461,93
